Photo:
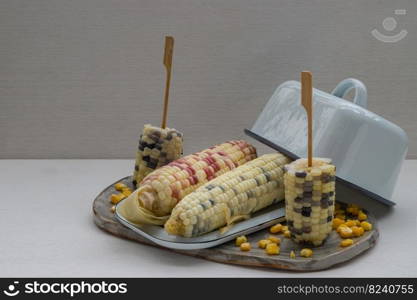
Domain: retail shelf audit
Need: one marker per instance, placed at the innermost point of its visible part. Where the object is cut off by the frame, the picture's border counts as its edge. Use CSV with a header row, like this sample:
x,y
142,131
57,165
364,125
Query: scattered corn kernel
x,y
274,239
346,243
277,228
292,254
272,249
240,240
341,217
366,225
357,231
287,234
337,222
116,198
350,223
120,186
284,228
362,216
262,243
126,191
245,246
113,208
341,227
353,209
345,232
306,252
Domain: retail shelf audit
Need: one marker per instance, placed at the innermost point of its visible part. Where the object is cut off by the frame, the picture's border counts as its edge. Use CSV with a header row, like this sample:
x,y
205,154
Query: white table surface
x,y
47,229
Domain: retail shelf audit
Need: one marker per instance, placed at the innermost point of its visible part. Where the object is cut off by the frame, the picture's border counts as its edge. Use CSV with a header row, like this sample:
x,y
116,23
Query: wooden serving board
x,y
324,256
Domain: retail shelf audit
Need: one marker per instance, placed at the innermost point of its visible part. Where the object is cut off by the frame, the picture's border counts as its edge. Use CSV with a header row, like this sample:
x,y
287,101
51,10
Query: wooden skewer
x,y
169,49
306,101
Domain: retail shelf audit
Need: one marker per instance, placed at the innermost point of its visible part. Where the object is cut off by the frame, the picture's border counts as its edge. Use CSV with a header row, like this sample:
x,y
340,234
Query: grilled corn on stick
x,y
162,189
157,147
309,199
238,193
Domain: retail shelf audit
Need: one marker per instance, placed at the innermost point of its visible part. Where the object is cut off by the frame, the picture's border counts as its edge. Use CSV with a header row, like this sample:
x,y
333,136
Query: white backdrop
x,y
78,79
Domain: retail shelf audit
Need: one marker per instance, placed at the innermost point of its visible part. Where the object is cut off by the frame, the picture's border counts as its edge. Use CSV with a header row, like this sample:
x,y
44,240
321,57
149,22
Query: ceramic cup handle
x,y
361,95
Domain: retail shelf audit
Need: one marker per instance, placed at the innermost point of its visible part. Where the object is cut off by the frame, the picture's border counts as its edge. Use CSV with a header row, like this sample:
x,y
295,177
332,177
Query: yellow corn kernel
x,y
272,249
341,227
120,186
339,212
341,217
366,225
245,246
274,239
362,216
116,198
284,228
306,252
357,231
345,232
263,243
337,222
350,223
292,254
346,243
353,209
287,234
240,240
126,191
277,228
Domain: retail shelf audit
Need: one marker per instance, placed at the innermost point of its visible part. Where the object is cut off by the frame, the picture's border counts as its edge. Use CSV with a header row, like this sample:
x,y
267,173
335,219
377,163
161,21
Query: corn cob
x,y
309,198
157,147
235,194
162,189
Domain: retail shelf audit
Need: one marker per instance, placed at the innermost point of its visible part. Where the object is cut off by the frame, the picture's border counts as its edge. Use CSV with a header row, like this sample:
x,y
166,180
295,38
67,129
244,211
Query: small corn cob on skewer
x,y
235,194
157,147
309,199
162,189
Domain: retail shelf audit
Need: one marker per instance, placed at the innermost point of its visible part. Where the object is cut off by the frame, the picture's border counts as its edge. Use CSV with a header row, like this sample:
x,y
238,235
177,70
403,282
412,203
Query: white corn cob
x,y
162,189
309,199
157,147
240,192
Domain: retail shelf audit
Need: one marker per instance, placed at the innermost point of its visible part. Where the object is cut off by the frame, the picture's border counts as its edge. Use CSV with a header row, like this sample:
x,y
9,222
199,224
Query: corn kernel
x,y
341,217
341,226
262,243
274,239
284,228
287,234
353,209
366,225
362,216
346,243
339,212
357,231
337,222
345,232
350,223
306,252
116,198
292,254
240,240
126,191
120,186
245,247
276,228
272,249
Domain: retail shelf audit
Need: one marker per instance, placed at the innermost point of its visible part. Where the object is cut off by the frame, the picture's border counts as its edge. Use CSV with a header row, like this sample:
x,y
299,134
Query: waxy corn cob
x,y
162,189
157,147
310,199
238,193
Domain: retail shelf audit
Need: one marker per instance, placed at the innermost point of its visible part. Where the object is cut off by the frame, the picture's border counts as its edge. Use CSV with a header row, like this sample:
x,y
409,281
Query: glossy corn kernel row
x,y
157,147
162,189
309,199
237,193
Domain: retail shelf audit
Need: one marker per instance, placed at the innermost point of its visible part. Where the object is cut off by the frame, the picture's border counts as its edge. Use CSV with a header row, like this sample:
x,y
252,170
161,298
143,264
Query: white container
x,y
367,150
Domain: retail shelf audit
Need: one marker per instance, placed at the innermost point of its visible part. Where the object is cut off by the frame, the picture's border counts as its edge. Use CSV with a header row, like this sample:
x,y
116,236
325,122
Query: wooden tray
x,y
324,256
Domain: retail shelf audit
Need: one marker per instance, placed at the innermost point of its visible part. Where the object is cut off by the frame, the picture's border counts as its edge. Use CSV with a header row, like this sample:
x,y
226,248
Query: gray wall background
x,y
79,78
